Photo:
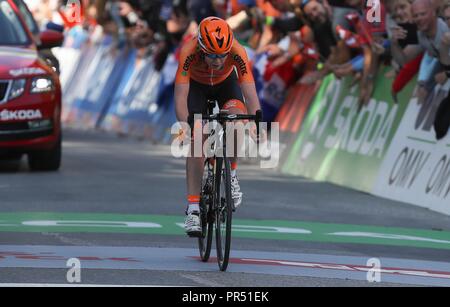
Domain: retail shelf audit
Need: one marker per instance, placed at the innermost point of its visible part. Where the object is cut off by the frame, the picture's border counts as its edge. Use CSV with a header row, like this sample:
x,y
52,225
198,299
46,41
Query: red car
x,y
30,93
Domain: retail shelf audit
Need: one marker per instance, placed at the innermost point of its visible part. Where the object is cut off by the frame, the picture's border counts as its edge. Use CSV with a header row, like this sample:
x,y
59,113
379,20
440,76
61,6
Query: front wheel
x,y
10,162
224,211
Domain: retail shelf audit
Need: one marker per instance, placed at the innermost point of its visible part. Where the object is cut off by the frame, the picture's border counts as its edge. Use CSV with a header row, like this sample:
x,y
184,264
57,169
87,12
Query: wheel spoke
x,y
206,198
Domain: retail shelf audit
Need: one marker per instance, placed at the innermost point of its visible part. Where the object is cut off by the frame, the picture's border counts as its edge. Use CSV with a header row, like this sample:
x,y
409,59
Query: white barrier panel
x,y
416,168
68,60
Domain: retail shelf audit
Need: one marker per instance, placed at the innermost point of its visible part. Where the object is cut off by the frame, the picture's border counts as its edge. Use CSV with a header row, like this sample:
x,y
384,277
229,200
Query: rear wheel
x,y
224,211
10,156
206,213
46,160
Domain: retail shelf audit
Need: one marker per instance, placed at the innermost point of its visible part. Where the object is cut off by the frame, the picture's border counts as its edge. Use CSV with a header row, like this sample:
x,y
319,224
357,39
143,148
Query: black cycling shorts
x,y
223,92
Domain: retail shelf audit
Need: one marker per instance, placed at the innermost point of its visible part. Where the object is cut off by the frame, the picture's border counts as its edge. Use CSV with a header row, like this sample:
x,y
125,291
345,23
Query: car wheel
x,y
48,160
10,156
10,163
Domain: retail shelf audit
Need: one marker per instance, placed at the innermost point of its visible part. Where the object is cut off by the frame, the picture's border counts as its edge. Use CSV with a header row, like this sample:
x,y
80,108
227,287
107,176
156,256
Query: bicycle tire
x,y
224,211
206,216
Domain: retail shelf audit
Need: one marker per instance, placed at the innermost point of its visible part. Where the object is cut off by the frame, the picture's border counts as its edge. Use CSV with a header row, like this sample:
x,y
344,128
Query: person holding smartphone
x,y
430,32
402,14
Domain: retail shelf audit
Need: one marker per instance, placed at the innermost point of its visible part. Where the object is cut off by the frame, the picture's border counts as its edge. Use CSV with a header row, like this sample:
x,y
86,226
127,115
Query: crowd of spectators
x,y
316,37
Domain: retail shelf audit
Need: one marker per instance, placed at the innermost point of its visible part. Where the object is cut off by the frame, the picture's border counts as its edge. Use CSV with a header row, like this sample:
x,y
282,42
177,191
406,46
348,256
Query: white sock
x,y
233,173
193,208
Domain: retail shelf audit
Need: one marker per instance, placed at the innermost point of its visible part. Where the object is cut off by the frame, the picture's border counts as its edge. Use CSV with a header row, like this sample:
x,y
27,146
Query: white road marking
x,y
201,281
118,224
387,236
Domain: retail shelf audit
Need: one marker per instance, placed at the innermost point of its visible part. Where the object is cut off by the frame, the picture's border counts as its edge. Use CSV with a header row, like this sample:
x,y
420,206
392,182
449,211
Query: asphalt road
x,y
116,205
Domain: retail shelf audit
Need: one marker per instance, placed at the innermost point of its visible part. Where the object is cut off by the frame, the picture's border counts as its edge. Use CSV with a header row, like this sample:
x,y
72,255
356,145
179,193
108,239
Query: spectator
x,y
287,24
200,9
402,11
270,9
301,34
367,44
442,120
290,21
177,24
446,13
340,9
331,50
430,32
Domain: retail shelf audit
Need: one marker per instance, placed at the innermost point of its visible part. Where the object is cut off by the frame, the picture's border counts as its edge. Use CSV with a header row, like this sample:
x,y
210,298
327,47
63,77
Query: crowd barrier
x,y
271,84
291,116
117,90
387,149
416,167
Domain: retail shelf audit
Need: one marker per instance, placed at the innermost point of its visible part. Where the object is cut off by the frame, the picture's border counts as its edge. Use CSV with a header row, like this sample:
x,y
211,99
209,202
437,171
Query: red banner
x,y
295,107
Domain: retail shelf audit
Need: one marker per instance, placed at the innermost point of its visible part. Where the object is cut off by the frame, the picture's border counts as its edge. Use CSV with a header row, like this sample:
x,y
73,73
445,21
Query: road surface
x,y
117,206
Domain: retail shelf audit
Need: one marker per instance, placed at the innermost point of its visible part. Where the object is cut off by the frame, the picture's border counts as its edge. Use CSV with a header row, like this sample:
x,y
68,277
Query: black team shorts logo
x,y
241,64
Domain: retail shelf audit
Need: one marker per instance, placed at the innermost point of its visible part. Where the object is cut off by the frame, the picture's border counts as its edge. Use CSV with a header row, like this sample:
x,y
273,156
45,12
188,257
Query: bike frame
x,y
216,209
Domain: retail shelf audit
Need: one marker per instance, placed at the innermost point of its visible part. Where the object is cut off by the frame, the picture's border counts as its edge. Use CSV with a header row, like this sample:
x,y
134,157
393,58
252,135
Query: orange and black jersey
x,y
193,66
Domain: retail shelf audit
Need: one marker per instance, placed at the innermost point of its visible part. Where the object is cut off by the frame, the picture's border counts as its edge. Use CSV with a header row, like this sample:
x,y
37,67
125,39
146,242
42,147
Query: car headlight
x,y
42,85
17,88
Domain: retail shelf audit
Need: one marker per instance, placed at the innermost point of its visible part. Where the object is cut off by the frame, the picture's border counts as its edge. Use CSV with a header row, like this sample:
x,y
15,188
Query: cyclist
x,y
213,66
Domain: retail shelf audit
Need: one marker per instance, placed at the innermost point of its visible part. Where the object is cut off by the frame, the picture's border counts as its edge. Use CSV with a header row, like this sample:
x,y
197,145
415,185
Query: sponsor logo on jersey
x,y
188,62
241,64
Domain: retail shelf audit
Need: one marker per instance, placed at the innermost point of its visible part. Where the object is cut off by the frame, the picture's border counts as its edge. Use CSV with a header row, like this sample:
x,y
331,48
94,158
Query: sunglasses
x,y
216,56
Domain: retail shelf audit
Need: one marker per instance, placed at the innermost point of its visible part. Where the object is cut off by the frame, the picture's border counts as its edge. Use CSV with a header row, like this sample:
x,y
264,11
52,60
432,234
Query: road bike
x,y
216,203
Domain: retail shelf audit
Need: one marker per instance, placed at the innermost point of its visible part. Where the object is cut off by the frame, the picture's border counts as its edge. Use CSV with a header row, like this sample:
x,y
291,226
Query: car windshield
x,y
12,31
27,16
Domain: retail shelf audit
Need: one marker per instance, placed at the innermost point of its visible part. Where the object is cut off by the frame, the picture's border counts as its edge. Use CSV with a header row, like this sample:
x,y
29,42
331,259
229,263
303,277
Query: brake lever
x,y
257,121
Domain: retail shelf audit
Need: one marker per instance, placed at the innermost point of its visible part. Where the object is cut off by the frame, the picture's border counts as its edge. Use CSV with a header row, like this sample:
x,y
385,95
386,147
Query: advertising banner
x,y
417,166
79,81
135,99
69,59
342,145
291,115
104,75
164,117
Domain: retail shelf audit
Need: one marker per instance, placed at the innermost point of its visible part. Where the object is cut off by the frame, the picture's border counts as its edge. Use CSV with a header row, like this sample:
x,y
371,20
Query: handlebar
x,y
224,117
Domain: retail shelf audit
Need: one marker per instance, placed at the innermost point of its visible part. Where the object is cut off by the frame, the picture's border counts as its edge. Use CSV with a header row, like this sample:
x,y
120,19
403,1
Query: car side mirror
x,y
50,39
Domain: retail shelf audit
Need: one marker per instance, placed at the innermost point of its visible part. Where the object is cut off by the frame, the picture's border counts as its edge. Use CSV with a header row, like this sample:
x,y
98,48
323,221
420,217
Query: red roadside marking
x,y
48,256
341,267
